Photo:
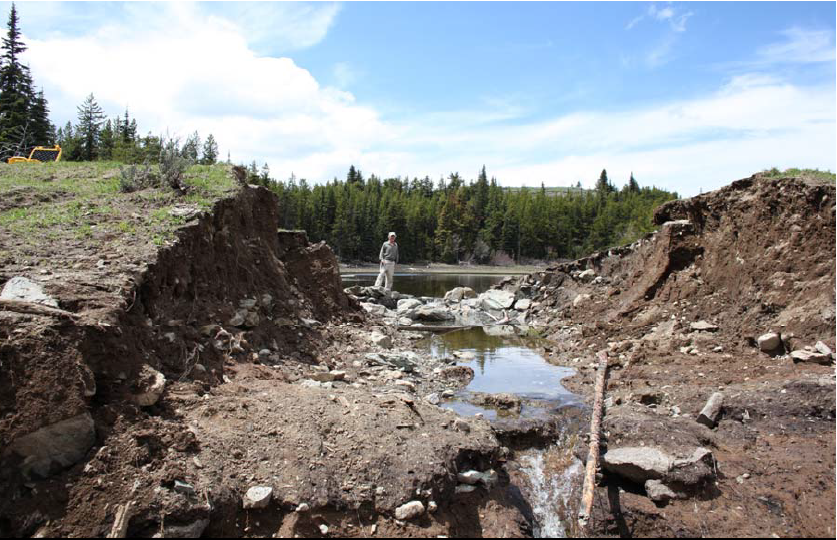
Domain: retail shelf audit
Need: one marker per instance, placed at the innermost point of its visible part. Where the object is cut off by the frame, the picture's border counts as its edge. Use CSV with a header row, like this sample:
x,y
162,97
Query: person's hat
x,y
391,234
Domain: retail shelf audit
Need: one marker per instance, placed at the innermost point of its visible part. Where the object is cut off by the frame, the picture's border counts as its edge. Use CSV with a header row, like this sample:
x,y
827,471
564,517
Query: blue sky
x,y
687,96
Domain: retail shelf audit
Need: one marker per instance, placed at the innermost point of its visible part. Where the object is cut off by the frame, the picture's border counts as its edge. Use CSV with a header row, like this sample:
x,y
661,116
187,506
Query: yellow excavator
x,y
39,154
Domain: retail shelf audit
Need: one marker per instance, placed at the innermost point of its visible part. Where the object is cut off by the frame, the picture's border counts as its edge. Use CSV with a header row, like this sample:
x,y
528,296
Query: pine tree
x,y
15,90
633,185
90,118
43,132
107,141
191,147
210,151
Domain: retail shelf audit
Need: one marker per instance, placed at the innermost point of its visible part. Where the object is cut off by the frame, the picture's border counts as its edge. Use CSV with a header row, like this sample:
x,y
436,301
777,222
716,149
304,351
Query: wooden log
x,y
31,308
124,513
593,453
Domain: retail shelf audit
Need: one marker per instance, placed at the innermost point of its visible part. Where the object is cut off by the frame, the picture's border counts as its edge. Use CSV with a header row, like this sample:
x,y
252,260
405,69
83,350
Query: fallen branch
x,y
593,454
31,308
124,513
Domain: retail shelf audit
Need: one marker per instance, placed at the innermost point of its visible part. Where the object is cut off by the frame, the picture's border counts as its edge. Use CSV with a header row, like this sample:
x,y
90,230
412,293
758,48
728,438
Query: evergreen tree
x,y
191,147
90,118
107,141
43,132
210,151
15,90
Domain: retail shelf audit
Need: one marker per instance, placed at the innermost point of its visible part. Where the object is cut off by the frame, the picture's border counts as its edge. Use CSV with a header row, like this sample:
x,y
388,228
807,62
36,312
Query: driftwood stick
x,y
593,454
31,308
120,523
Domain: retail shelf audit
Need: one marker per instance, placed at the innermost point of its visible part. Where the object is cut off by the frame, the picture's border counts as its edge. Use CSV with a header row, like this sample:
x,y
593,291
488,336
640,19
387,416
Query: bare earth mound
x,y
684,314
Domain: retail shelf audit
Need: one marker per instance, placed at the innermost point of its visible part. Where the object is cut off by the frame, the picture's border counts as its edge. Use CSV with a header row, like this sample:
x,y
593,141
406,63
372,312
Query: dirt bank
x,y
168,378
680,314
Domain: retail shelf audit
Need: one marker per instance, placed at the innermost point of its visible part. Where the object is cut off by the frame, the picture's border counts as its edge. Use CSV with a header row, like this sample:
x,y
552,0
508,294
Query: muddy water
x,y
503,365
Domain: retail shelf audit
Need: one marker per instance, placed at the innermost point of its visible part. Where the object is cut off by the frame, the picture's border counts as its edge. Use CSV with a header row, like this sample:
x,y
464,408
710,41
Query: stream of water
x,y
510,365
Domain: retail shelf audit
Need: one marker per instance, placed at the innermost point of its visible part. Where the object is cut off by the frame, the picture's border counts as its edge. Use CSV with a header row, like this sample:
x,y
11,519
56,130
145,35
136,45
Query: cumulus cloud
x,y
198,71
193,69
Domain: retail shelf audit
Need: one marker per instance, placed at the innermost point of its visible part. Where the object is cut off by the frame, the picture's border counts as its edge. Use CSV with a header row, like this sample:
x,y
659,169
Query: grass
x,y
48,202
813,174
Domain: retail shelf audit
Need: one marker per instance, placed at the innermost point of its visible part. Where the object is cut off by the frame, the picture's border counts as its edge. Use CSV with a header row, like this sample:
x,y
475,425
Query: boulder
x,y
497,300
408,304
459,293
257,497
381,340
374,309
192,530
523,304
411,510
811,356
25,290
822,348
638,464
659,492
60,444
770,342
462,374
432,314
149,387
693,470
587,275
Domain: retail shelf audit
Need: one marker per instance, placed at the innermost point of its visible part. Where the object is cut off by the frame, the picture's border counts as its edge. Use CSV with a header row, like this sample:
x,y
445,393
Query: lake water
x,y
435,285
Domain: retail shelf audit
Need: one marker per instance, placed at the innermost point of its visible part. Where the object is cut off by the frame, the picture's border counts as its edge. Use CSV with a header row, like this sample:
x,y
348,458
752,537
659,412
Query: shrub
x,y
133,178
173,165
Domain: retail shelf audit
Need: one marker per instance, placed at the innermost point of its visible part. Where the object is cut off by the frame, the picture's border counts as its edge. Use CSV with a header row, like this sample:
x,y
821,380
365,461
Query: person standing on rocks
x,y
389,258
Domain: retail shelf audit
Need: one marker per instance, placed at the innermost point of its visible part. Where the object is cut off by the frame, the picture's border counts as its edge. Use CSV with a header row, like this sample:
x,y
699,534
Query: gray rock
x,y
407,304
659,492
770,342
712,410
411,510
432,314
461,425
374,309
252,319
472,478
150,386
703,326
63,444
822,348
25,290
433,399
462,489
637,464
497,300
694,470
183,487
460,293
257,497
523,304
239,318
381,340
580,299
587,275
500,330
192,530
811,356
247,303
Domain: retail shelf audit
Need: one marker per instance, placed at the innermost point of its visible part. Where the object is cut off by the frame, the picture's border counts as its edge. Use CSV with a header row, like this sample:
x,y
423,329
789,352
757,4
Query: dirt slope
x,y
755,257
195,353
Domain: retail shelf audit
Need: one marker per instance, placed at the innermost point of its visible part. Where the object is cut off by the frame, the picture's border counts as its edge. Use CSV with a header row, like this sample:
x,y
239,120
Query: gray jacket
x,y
389,252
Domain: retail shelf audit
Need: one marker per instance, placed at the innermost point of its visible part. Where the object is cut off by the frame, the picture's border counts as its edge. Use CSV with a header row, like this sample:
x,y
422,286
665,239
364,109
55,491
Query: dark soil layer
x,y
755,257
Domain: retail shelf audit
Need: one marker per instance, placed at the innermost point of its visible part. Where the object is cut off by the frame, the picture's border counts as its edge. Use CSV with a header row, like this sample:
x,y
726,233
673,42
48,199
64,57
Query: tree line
x,y
456,221
25,123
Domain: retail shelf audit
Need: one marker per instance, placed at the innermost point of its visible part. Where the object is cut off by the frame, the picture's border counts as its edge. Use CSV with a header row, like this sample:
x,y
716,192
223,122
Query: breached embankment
x,y
734,295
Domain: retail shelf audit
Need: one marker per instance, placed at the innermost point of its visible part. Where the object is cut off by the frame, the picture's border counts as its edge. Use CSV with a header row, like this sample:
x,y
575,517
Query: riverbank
x,y
436,268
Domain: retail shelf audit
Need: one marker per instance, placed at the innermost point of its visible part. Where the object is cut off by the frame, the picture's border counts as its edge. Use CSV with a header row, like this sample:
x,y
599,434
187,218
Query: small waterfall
x,y
550,490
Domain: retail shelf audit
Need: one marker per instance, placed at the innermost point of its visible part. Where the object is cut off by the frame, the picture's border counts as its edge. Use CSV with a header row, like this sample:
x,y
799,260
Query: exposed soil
x,y
240,320
755,257
272,379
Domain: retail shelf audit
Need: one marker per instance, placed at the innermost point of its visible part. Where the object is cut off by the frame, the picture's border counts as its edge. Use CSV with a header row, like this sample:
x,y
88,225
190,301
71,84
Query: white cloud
x,y
800,46
668,14
192,70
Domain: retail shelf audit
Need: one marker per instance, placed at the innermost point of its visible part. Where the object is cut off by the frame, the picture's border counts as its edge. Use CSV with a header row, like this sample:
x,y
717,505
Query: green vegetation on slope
x,y
55,202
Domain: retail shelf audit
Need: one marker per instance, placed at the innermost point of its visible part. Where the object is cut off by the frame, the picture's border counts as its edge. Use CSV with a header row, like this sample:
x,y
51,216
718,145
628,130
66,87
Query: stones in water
x,y
460,293
497,300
